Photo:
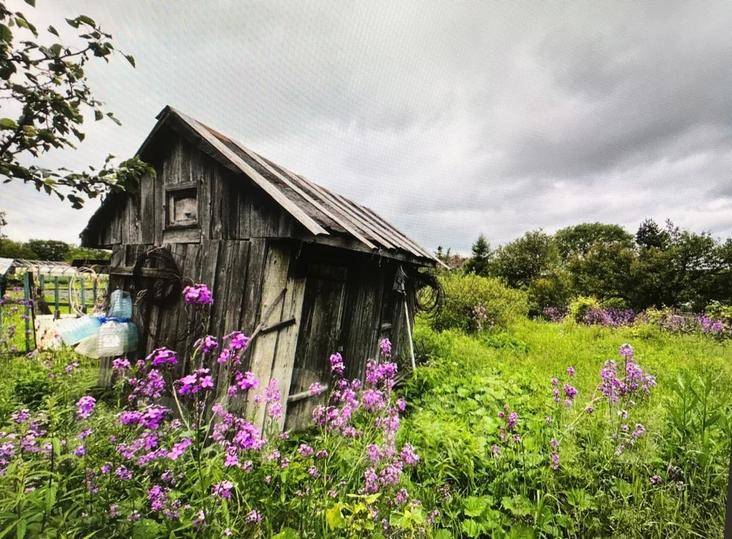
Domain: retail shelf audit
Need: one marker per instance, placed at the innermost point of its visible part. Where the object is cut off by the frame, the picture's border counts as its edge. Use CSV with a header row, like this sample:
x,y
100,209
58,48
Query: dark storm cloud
x,y
450,119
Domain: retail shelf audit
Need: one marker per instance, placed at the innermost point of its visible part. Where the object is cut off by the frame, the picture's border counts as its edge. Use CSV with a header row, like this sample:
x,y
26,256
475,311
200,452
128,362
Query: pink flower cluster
x,y
243,381
85,407
271,399
385,347
235,435
635,383
197,295
510,421
196,382
162,357
567,393
337,367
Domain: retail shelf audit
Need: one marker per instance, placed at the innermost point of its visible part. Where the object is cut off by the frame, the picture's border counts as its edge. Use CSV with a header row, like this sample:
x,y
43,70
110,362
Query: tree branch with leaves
x,y
44,98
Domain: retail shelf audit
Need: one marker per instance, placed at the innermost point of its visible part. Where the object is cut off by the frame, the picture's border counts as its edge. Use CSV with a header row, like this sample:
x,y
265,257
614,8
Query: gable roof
x,y
320,211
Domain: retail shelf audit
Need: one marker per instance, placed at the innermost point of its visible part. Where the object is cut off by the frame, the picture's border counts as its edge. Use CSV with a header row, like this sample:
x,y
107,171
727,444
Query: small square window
x,y
182,207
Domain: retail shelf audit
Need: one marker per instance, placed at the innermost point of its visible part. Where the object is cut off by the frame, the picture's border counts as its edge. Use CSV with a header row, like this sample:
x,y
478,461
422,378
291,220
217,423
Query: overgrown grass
x,y
457,395
482,480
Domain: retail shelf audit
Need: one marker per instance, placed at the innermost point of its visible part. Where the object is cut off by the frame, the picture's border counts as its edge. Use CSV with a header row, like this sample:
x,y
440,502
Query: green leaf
x,y
520,531
31,2
21,528
470,528
5,33
476,505
53,30
86,20
517,505
51,497
8,123
98,114
113,118
334,517
130,59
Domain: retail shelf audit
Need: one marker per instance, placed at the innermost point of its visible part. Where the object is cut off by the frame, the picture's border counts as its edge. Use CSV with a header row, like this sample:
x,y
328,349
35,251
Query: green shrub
x,y
473,303
719,311
551,290
580,305
614,303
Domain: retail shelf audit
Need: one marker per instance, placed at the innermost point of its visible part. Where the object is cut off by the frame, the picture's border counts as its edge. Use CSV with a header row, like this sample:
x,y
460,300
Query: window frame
x,y
180,190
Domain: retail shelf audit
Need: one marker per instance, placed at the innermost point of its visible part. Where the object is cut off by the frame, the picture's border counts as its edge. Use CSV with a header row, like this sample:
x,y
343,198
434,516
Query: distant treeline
x,y
49,250
659,266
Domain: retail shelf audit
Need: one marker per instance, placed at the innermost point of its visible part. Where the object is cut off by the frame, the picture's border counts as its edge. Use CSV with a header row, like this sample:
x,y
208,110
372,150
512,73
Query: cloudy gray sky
x,y
450,118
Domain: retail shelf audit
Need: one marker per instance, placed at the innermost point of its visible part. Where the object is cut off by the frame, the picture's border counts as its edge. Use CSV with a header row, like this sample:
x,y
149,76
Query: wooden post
x,y
409,334
94,293
28,299
56,311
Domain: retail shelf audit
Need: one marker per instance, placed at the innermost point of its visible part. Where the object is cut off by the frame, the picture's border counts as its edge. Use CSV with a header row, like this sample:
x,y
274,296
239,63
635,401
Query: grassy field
x,y
479,475
687,418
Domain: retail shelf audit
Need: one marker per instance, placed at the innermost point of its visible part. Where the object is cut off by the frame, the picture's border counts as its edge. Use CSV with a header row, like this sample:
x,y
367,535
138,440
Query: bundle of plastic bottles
x,y
102,335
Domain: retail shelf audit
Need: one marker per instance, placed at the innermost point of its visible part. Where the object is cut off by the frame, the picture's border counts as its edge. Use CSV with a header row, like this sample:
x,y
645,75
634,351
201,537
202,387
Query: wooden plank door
x,y
320,336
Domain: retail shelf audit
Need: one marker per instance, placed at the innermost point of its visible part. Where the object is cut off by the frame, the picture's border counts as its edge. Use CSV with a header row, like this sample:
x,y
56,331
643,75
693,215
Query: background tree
x,y
521,261
604,271
577,240
649,235
86,253
44,97
49,249
3,224
478,263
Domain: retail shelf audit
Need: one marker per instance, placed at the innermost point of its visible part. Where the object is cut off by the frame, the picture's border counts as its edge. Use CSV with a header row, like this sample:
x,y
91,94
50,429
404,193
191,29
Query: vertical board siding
x,y
271,310
320,335
287,339
339,299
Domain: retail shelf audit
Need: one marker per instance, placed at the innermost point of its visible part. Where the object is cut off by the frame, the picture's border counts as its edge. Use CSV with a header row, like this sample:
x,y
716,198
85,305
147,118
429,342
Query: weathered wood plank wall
x,y
245,248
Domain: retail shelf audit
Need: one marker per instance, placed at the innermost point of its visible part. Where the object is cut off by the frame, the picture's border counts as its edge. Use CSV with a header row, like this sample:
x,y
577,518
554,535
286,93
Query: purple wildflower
x,y
179,448
337,366
161,357
197,295
85,407
385,347
408,456
223,489
238,341
208,344
120,364
254,516
305,450
316,388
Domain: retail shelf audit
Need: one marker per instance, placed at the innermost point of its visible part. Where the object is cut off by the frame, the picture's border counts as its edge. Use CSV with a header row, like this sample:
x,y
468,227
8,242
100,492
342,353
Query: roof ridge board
x,y
342,220
293,209
334,198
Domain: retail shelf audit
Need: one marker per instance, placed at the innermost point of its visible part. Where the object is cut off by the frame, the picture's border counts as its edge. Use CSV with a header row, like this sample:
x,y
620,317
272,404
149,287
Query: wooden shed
x,y
314,271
